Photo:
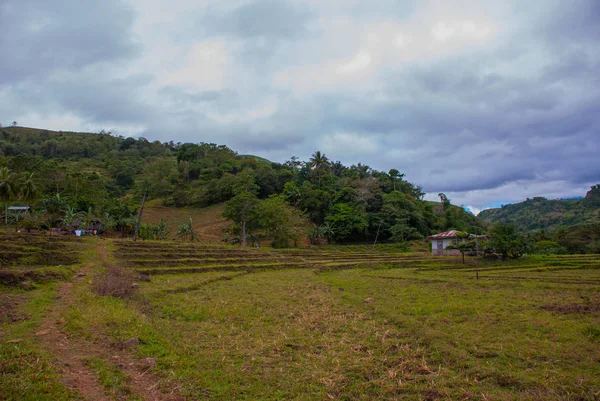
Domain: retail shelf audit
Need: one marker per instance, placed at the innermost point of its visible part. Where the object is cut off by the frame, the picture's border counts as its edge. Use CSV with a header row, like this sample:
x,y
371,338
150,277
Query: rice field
x,y
336,323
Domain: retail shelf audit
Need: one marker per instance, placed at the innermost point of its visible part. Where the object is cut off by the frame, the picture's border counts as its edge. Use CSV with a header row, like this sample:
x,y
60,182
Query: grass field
x,y
333,323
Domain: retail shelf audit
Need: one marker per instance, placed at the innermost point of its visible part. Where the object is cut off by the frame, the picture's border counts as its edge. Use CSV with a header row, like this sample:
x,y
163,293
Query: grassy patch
x,y
26,371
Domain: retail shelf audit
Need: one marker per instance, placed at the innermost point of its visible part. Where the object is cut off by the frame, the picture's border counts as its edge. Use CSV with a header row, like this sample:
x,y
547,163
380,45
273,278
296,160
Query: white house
x,y
439,243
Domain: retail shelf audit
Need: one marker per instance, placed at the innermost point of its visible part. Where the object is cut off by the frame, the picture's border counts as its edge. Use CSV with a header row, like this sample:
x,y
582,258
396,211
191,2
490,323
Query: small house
x,y
18,212
439,243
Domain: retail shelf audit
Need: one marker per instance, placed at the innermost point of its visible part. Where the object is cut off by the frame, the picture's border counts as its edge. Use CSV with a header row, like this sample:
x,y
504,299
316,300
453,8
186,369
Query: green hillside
x,y
541,213
104,177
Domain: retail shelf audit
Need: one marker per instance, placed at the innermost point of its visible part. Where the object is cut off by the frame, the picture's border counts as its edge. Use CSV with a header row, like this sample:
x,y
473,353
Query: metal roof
x,y
447,234
18,208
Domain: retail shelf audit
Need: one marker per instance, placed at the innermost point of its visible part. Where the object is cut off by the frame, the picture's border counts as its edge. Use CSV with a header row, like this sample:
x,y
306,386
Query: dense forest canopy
x,y
106,174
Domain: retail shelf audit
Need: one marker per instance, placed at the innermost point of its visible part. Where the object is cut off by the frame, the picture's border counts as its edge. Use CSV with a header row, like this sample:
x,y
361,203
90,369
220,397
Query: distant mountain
x,y
541,213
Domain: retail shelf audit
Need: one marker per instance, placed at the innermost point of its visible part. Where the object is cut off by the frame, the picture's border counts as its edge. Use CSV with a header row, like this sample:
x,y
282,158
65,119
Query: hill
x,y
541,213
104,177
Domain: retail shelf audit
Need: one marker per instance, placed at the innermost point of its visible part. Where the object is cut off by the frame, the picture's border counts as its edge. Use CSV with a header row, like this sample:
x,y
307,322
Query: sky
x,y
490,102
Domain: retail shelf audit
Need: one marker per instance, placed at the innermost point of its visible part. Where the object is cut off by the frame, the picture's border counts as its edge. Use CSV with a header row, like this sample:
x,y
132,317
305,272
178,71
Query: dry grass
x,y
115,281
207,221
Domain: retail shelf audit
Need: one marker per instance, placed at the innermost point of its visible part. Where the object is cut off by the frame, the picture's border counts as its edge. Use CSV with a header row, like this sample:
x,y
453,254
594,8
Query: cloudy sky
x,y
487,101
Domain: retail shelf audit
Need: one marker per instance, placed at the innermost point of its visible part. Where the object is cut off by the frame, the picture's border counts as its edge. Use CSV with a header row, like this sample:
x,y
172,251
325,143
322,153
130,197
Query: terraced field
x,y
170,258
39,257
345,323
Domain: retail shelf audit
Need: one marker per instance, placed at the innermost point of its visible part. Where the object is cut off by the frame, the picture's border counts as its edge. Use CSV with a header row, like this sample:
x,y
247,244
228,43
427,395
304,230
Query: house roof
x,y
444,235
18,208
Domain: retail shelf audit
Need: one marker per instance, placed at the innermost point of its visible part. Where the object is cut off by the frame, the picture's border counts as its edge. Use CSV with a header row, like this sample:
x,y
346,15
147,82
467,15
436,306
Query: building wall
x,y
441,251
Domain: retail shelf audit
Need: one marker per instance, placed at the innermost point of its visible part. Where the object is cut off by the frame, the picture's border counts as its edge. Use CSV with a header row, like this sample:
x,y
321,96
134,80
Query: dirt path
x,y
73,354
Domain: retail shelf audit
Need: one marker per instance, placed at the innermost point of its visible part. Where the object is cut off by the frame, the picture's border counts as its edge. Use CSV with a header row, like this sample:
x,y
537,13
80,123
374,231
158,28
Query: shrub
x,y
549,248
116,282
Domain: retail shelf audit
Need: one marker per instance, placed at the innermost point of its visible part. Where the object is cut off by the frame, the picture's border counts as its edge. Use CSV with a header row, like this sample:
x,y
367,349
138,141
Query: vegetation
x,y
74,179
542,214
219,322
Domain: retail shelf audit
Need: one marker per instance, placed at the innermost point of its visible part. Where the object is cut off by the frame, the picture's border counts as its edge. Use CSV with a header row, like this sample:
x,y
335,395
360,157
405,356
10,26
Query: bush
x,y
549,248
30,223
116,282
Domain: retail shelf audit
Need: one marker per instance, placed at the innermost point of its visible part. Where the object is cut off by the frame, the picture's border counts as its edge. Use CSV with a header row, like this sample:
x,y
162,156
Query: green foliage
x,y
348,222
541,213
548,247
507,241
160,231
279,221
108,174
462,246
185,232
243,209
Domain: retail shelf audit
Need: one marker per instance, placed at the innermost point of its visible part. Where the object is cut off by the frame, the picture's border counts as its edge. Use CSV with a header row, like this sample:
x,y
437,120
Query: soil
x,y
73,353
9,310
590,307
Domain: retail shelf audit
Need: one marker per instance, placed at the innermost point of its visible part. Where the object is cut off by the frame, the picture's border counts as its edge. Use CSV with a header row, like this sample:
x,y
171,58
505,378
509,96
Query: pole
x,y
376,235
137,227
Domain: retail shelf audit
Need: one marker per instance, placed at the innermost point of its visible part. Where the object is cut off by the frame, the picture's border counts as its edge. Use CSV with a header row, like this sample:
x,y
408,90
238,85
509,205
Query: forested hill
x,y
106,175
541,213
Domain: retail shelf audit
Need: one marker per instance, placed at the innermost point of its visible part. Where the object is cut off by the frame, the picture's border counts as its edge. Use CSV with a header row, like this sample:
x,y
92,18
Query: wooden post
x,y
376,235
476,269
137,227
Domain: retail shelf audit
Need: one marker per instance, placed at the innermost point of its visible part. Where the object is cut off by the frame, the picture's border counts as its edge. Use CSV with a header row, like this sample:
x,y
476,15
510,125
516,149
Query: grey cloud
x,y
475,124
262,19
40,36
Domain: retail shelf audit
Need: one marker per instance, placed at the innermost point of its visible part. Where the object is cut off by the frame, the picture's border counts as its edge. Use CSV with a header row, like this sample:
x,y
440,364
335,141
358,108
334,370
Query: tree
x,y
279,221
506,241
349,222
109,222
462,245
403,232
292,193
319,165
8,189
444,199
70,216
242,209
30,190
394,174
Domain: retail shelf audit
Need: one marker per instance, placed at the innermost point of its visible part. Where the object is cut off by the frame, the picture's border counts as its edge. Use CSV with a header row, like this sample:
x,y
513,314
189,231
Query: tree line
x,y
105,175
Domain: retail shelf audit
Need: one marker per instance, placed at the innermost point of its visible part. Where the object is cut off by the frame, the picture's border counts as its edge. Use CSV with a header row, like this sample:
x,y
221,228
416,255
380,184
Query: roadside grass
x,y
26,370
116,384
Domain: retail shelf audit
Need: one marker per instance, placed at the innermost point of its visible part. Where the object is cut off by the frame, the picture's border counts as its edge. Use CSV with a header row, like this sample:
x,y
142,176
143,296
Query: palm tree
x,y
319,163
8,190
109,222
89,217
315,234
70,216
327,230
30,191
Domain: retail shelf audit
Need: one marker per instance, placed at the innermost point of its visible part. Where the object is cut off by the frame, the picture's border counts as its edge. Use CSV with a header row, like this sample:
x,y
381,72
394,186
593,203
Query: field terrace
x,y
329,323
